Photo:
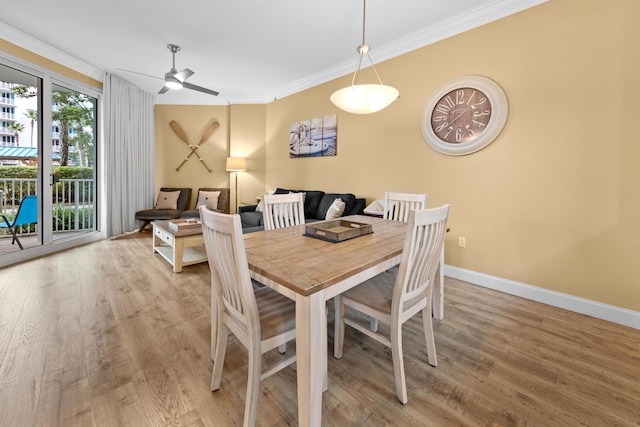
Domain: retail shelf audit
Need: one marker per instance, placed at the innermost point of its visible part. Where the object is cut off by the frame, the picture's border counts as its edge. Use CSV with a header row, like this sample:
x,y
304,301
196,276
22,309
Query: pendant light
x,y
365,98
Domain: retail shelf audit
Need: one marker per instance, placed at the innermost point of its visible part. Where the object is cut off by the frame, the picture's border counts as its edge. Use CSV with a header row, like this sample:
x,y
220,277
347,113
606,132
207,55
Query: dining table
x,y
311,271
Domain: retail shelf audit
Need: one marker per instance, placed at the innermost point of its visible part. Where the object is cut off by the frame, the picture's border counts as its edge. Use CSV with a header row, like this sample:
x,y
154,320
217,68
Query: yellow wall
x,y
19,52
553,202
246,139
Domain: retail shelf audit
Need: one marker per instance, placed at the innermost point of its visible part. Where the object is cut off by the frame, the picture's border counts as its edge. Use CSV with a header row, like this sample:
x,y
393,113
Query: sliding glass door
x,y
20,158
73,130
48,150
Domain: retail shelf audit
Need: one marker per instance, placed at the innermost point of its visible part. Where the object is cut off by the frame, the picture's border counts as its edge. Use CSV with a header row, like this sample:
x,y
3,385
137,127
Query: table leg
x,y
178,248
438,290
310,314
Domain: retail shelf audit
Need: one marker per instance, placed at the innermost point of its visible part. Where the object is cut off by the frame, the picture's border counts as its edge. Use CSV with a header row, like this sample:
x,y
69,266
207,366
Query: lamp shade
x,y
364,99
236,164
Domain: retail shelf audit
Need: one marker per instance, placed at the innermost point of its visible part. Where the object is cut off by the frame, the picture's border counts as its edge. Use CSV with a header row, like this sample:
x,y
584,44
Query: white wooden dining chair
x,y
398,205
283,210
394,299
261,318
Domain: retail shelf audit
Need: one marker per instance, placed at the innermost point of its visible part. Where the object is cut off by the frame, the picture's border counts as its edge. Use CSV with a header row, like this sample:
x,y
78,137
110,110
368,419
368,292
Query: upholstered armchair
x,y
171,202
216,199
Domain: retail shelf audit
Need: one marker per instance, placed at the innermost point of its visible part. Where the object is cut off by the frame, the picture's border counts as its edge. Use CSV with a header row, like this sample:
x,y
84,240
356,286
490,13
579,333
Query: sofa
x,y
316,205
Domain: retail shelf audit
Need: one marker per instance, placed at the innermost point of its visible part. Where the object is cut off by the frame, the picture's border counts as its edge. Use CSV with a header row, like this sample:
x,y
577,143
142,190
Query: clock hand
x,y
459,115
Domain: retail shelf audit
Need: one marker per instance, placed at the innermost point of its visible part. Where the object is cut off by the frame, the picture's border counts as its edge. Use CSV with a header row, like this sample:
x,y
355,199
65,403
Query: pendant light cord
x,y
363,49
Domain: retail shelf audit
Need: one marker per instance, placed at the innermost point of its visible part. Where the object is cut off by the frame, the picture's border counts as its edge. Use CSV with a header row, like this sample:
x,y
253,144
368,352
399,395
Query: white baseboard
x,y
595,309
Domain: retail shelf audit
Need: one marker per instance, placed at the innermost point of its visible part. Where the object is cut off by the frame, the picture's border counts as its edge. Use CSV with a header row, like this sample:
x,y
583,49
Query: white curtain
x,y
128,127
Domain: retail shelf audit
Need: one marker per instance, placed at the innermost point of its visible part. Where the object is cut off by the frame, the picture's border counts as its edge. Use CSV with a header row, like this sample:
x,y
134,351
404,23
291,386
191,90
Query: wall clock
x,y
465,115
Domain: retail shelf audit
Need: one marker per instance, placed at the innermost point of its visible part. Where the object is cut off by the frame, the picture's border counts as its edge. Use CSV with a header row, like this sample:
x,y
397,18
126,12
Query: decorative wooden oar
x,y
178,130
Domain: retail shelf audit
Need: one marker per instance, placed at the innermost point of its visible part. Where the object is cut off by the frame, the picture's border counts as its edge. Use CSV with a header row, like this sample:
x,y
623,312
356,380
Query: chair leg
x,y
253,385
282,348
427,324
373,324
15,237
145,222
220,350
398,361
338,334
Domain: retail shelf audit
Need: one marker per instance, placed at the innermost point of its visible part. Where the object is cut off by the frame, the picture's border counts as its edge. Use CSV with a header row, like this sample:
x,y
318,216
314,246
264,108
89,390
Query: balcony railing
x,y
73,204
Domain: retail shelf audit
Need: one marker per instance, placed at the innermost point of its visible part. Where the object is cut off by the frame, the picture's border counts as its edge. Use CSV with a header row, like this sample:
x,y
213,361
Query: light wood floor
x,y
106,334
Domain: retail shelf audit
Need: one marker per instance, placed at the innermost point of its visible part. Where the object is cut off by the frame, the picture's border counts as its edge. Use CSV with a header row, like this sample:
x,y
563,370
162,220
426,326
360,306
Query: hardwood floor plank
x,y
108,335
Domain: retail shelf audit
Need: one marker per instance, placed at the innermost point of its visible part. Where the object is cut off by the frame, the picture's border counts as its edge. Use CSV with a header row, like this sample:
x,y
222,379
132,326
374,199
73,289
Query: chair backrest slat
x,y
398,205
283,210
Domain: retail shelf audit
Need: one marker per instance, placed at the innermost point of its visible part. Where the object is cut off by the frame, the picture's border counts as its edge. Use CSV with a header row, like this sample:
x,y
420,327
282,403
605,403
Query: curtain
x,y
128,127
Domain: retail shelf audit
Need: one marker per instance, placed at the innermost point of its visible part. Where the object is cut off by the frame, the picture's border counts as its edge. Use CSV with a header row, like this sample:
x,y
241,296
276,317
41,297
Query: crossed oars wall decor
x,y
207,133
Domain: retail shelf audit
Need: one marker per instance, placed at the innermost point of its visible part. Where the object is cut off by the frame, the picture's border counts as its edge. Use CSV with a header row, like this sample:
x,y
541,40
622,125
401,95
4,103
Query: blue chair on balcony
x,y
27,215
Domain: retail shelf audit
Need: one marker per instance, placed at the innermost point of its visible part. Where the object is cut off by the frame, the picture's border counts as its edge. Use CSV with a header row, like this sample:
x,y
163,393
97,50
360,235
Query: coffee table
x,y
178,247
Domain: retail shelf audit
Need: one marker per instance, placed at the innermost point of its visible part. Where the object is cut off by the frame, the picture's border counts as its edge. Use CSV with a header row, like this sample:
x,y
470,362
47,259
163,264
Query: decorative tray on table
x,y
337,230
184,224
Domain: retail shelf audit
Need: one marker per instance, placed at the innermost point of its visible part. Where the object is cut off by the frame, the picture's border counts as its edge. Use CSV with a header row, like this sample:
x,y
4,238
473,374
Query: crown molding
x,y
32,44
456,24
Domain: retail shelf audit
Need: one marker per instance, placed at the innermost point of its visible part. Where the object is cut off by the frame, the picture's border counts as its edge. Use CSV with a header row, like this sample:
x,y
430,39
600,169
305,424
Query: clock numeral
x,y
471,97
444,109
482,101
449,101
479,124
481,113
439,118
442,126
458,135
460,96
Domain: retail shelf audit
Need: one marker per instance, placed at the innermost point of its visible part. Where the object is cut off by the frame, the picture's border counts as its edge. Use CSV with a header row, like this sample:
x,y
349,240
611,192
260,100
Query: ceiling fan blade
x,y
183,75
163,90
200,89
142,74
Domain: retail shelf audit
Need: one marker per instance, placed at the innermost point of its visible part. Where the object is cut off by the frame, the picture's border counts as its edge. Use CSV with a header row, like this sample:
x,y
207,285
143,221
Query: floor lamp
x,y
236,164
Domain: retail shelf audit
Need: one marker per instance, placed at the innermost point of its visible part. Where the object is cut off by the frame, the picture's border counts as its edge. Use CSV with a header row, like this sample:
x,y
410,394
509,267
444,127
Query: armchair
x,y
165,208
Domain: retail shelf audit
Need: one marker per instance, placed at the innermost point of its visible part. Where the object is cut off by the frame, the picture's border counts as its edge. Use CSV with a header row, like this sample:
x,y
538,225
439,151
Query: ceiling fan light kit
x,y
364,98
171,82
174,79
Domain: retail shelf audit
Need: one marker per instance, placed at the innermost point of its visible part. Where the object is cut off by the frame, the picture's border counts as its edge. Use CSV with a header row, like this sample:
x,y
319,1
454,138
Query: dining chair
x,y
398,205
261,318
283,210
394,299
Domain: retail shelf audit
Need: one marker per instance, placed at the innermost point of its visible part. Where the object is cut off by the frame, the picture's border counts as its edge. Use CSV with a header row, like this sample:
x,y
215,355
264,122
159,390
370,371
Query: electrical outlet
x,y
462,241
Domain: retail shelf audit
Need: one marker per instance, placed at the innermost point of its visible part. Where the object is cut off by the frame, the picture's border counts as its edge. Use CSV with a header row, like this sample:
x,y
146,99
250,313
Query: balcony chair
x,y
394,299
169,205
27,214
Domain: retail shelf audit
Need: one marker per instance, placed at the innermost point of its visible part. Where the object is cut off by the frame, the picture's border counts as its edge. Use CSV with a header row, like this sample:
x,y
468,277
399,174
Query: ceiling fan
x,y
174,79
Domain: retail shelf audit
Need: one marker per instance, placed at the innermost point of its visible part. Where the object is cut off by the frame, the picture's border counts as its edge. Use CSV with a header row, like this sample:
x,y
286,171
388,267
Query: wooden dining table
x,y
311,271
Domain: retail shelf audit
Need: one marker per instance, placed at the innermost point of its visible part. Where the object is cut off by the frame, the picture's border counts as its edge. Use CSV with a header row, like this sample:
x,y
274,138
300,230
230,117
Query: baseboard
x,y
595,309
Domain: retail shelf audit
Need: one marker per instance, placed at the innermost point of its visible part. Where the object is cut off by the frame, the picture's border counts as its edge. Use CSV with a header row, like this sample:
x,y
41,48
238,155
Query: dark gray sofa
x,y
316,204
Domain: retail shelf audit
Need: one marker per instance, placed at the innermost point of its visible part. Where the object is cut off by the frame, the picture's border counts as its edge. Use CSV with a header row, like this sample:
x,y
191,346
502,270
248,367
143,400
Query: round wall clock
x,y
465,115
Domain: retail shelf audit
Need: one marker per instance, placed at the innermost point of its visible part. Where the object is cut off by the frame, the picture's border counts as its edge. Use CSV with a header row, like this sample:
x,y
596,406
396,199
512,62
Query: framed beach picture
x,y
314,138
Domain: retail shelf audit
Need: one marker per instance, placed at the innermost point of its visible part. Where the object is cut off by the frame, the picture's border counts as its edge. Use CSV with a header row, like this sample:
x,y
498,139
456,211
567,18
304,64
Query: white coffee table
x,y
178,247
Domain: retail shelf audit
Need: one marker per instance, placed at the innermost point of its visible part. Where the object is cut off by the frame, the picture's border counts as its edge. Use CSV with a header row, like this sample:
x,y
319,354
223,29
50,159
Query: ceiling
x,y
250,51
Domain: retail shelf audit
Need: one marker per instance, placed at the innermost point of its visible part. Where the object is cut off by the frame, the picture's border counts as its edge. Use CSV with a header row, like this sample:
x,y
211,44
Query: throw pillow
x,y
209,199
260,206
167,200
336,209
